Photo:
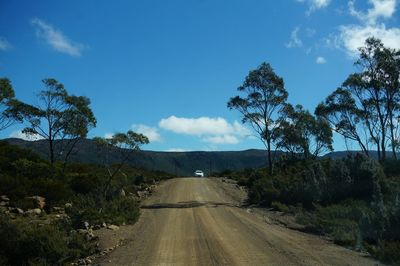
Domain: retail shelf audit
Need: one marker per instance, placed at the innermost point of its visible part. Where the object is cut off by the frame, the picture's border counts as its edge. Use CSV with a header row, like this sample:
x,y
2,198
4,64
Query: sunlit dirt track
x,y
191,221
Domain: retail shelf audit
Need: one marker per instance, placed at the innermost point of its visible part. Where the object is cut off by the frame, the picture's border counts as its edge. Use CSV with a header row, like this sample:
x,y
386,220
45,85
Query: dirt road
x,y
192,221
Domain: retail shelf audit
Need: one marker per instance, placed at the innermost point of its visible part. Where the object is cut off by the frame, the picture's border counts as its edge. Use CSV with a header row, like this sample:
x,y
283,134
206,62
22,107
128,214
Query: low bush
x,y
96,210
279,206
25,243
386,251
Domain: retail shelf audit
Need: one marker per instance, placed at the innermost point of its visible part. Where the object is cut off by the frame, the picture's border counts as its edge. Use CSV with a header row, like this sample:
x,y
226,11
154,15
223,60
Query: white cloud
x,y
108,135
318,4
196,126
354,36
176,150
310,32
224,139
150,132
380,9
19,135
4,44
314,5
320,60
56,39
295,40
211,130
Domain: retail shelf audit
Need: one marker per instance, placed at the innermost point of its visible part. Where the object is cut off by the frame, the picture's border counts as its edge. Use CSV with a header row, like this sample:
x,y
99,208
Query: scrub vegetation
x,y
354,200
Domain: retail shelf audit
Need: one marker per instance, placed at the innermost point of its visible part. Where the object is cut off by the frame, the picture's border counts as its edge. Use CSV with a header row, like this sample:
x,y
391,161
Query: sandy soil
x,y
198,221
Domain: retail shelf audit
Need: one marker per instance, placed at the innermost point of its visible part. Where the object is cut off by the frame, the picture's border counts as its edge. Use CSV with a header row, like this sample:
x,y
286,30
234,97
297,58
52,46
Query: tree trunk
x,y
69,151
393,137
379,151
270,164
51,151
383,144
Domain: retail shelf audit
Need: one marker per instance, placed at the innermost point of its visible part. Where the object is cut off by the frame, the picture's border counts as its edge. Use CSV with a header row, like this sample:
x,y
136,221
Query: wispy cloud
x,y
314,5
211,130
320,60
176,150
4,44
295,40
351,37
354,36
223,139
380,9
150,132
108,135
317,4
56,39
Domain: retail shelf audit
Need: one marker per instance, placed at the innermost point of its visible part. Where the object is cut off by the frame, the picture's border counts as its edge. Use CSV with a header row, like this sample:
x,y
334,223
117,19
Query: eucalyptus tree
x,y
80,120
125,145
366,108
340,110
9,105
59,116
301,133
388,64
264,96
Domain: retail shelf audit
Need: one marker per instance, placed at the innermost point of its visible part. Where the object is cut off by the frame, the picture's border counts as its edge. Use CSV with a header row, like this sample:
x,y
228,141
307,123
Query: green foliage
x,y
302,134
84,183
351,200
386,251
366,108
263,192
264,97
27,244
391,168
342,221
97,210
278,206
59,116
126,144
9,105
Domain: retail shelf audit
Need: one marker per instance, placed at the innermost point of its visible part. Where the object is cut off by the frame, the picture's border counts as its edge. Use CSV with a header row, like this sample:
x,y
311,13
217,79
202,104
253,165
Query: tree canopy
x,y
264,96
366,109
59,116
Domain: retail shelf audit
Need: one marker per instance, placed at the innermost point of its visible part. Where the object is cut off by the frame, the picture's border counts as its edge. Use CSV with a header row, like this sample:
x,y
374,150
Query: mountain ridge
x,y
182,163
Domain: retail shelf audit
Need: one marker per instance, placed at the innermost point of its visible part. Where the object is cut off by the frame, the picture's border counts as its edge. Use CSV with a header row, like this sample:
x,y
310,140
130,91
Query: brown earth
x,y
198,221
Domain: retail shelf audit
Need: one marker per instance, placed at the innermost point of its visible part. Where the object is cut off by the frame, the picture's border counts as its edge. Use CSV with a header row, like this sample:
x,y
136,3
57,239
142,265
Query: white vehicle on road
x,y
198,173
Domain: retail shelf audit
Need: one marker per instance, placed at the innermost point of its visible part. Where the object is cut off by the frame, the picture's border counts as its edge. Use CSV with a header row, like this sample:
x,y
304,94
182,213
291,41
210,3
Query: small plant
x,y
276,205
30,244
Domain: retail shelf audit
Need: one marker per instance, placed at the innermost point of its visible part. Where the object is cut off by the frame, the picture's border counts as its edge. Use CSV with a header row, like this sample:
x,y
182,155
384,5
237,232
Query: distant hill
x,y
180,163
343,154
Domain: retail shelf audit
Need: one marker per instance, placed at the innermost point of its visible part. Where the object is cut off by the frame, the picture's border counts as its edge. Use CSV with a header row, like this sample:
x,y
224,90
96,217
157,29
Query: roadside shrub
x,y
314,184
392,168
96,210
14,186
84,183
367,175
31,169
54,190
387,252
345,232
139,180
263,191
243,181
343,221
279,206
339,182
24,204
30,244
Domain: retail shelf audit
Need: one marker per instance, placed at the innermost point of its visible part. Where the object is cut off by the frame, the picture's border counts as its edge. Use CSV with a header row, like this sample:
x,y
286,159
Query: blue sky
x,y
168,68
